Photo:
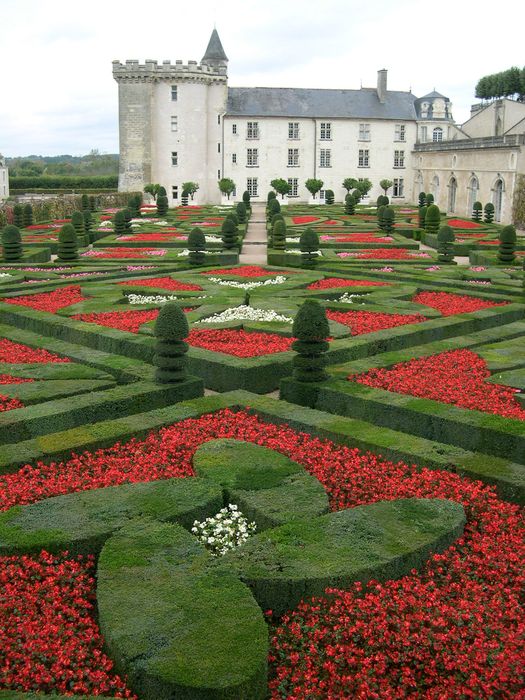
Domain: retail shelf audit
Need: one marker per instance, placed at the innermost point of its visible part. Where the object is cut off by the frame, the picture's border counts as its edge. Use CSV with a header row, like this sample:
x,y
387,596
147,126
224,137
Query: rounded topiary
x,y
421,216
311,329
422,199
273,208
357,195
134,204
18,215
445,246
119,223
241,212
11,244
271,195
432,219
329,197
477,208
162,192
162,205
77,220
67,243
84,200
279,234
389,217
382,201
171,327
197,247
349,204
233,216
507,244
28,215
229,234
429,199
309,246
489,213
246,199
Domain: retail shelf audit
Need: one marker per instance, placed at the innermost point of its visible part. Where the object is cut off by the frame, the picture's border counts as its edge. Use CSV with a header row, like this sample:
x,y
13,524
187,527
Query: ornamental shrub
x,y
309,245
329,197
77,221
18,215
171,327
134,204
432,219
311,329
507,244
127,218
162,205
246,199
381,217
349,204
196,246
421,216
274,206
382,201
11,244
357,195
92,203
389,217
477,208
85,202
422,199
489,213
445,246
271,195
429,199
67,243
313,185
28,215
162,192
281,186
229,234
233,216
119,223
241,212
88,220
279,235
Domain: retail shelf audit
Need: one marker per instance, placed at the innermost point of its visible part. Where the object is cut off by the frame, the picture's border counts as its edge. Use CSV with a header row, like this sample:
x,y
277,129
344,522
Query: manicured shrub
x,y
162,192
477,208
421,215
507,244
271,195
119,223
197,247
382,201
309,245
77,220
18,215
389,217
246,199
229,234
67,243
11,244
127,218
85,203
88,220
28,215
134,204
445,247
422,199
432,219
349,204
274,206
329,197
162,205
381,217
92,203
279,235
233,216
171,327
429,199
241,212
313,185
311,329
357,195
489,213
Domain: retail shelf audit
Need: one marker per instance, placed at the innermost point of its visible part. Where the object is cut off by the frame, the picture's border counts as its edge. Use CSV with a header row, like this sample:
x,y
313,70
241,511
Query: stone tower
x,y
170,122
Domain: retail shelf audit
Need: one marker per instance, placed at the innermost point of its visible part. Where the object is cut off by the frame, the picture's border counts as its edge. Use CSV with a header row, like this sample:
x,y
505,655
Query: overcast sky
x,y
57,94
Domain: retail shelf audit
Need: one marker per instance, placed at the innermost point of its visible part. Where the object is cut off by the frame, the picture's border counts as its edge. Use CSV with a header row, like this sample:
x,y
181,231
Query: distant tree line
x,y
505,84
63,182
94,163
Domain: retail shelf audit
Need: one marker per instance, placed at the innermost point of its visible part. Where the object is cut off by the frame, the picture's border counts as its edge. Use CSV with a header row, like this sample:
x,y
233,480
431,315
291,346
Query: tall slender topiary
x,y
28,215
196,246
92,203
18,215
171,327
88,220
162,205
271,195
233,216
246,199
389,217
477,208
229,234
127,218
162,192
381,217
349,204
329,197
445,246
432,219
422,199
421,216
77,220
507,245
134,203
429,199
241,212
85,203
311,329
489,213
67,243
11,244
279,235
309,246
119,223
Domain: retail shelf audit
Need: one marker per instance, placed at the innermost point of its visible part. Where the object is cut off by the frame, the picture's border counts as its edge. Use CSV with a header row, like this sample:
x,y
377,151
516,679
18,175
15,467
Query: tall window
x,y
293,157
251,186
364,132
293,130
400,132
326,131
399,159
174,93
423,134
175,191
174,158
234,158
325,158
252,157
252,130
363,160
437,134
294,186
234,128
218,148
174,124
399,187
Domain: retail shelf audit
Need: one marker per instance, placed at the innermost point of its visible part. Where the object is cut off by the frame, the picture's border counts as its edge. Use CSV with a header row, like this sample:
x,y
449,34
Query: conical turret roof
x,y
214,51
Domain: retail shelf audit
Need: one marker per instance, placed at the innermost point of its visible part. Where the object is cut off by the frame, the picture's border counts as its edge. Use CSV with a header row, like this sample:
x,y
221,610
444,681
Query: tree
x,y
88,220
310,327
281,186
85,202
273,208
421,216
350,183
226,186
432,219
489,213
171,327
477,208
127,219
229,234
162,204
11,244
313,186
190,188
279,235
364,186
507,245
67,243
309,246
429,199
197,246
385,185
271,195
357,194
153,189
329,197
445,246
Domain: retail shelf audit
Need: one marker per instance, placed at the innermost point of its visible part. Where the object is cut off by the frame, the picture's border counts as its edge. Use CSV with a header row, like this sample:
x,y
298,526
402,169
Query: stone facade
x,y
4,178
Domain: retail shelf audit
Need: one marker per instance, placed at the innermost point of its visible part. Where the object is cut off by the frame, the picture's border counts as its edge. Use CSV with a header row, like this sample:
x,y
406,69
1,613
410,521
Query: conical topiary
x,y
229,234
127,219
233,216
329,197
271,195
28,215
309,245
381,216
422,199
273,208
432,219
477,208
18,215
349,204
11,244
389,217
421,216
246,199
279,235
311,329
197,247
92,202
67,243
134,204
77,221
445,247
171,327
88,220
119,223
507,245
162,205
489,213
241,212
85,203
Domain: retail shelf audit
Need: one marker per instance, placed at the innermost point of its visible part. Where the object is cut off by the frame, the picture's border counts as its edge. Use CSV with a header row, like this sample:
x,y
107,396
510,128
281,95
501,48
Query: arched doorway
x,y
452,191
473,189
497,198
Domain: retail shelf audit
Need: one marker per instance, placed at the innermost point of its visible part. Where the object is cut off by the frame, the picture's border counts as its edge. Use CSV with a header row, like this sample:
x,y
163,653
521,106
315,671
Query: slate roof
x,y
214,50
309,102
433,94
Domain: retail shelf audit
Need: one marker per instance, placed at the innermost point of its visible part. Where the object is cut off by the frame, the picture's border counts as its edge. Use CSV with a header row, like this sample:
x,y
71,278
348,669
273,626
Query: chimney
x,y
381,85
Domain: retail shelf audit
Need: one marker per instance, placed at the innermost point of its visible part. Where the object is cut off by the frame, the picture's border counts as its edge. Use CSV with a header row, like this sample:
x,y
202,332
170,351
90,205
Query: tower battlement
x,y
153,71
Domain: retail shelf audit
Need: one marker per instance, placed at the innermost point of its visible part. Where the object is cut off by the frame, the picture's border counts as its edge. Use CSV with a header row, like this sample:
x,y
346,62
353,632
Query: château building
x,y
4,178
181,122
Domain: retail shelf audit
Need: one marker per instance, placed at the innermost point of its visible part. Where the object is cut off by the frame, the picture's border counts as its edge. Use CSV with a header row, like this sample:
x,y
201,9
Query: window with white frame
x,y
363,160
325,158
293,130
399,134
174,93
218,148
437,134
399,159
364,132
252,130
325,131
399,186
252,157
234,128
218,119
174,123
293,157
322,194
174,158
252,186
423,134
174,191
294,186
234,158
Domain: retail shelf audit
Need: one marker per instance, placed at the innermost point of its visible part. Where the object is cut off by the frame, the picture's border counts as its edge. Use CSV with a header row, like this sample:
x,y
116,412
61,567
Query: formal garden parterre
x,y
386,494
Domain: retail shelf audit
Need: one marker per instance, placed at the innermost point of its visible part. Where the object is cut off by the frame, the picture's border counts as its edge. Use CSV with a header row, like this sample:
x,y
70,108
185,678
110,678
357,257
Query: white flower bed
x,y
186,252
247,285
347,298
246,313
155,298
5,274
224,531
296,251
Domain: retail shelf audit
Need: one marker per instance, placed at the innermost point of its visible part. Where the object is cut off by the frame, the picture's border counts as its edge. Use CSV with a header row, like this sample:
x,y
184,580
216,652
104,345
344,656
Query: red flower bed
x,y
50,301
451,630
331,222
8,404
110,253
244,271
122,320
304,219
459,223
240,343
152,237
361,322
16,353
334,282
449,304
8,379
457,377
38,227
363,238
387,254
488,242
162,283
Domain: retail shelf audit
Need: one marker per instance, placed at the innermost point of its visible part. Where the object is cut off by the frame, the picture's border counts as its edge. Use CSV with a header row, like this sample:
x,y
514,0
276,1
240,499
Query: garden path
x,y
254,248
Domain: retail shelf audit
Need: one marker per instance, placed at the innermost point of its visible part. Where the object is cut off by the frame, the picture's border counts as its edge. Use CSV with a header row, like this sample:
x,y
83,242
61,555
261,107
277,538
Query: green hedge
x,y
47,182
